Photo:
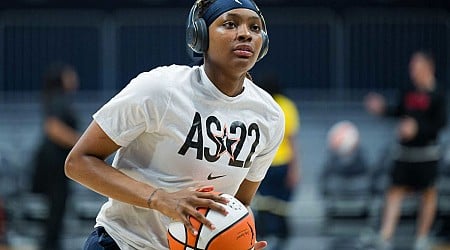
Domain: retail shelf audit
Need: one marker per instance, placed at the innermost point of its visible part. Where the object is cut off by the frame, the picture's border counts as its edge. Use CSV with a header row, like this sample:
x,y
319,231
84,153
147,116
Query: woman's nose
x,y
243,32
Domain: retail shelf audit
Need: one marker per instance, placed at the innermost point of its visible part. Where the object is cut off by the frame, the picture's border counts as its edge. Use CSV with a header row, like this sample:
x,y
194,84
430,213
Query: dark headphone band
x,y
197,31
193,13
194,32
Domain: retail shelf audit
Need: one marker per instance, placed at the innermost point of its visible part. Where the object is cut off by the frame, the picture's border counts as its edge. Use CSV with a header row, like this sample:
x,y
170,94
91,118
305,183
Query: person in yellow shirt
x,y
276,190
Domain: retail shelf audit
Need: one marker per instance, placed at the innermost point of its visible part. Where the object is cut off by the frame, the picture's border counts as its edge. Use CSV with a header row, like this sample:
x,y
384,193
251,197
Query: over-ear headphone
x,y
197,32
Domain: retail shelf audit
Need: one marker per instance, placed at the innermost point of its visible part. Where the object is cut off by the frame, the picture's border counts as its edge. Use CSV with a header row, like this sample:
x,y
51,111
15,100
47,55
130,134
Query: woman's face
x,y
70,80
420,70
235,40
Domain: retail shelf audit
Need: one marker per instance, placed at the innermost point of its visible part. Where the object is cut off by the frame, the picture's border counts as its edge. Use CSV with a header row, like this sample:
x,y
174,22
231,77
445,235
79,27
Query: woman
x,y
421,110
181,132
60,135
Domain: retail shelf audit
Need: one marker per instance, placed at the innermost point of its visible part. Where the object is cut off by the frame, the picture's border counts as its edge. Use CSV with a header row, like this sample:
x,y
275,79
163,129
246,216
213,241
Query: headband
x,y
219,7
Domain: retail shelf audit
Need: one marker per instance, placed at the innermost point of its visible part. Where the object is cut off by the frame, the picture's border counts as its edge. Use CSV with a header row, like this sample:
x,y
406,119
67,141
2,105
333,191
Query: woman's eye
x,y
229,25
255,28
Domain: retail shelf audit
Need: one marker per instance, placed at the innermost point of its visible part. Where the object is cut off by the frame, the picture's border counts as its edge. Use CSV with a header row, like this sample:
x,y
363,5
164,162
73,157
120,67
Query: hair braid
x,y
203,6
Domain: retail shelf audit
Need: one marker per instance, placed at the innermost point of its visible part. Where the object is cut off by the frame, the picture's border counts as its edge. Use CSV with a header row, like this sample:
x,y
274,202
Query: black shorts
x,y
99,239
415,175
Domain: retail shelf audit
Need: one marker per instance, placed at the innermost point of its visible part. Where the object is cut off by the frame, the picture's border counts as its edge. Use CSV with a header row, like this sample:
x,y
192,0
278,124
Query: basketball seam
x,y
185,244
199,231
225,229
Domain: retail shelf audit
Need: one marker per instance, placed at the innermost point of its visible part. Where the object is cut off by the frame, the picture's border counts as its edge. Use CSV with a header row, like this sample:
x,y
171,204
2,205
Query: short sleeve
x,y
291,115
138,108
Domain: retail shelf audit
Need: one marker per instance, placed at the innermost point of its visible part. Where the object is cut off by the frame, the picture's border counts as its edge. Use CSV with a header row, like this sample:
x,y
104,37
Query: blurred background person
x,y
277,189
422,115
345,178
60,82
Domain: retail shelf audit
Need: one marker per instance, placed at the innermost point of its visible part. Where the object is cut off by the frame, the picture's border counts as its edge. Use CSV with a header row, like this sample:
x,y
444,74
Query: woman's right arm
x,y
86,164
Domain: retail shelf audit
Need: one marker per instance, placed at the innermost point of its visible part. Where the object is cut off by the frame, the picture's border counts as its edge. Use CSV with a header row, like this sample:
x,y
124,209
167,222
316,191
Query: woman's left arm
x,y
247,191
245,194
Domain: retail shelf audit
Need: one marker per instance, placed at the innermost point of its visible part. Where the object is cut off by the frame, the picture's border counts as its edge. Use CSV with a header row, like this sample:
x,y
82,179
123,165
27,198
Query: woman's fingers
x,y
202,219
183,205
205,189
260,245
187,204
211,196
187,223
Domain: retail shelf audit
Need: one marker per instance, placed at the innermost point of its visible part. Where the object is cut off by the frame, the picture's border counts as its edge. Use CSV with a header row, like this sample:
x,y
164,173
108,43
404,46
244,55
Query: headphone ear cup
x,y
202,39
197,36
191,36
264,46
196,33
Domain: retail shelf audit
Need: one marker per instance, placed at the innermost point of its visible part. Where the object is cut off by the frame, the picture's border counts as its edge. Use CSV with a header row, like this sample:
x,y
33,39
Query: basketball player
x,y
180,131
422,115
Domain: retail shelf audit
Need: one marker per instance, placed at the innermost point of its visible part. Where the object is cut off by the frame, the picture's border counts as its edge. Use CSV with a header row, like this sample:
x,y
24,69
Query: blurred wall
x,y
311,48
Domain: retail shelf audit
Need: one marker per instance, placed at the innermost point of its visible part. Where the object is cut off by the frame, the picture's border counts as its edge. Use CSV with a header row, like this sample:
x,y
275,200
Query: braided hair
x,y
203,6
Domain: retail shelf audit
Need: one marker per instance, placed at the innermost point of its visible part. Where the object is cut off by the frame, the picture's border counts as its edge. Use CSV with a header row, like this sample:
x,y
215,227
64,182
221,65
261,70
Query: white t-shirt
x,y
177,130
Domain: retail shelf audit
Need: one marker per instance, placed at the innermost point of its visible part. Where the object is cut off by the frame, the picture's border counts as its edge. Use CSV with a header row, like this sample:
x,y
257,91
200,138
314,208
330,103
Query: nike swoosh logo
x,y
211,177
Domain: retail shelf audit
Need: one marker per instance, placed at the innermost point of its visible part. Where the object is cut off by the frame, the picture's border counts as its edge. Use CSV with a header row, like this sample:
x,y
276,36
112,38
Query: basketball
x,y
234,231
343,137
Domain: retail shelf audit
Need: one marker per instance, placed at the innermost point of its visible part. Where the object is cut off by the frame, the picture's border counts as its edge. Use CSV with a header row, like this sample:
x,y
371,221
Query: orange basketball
x,y
234,231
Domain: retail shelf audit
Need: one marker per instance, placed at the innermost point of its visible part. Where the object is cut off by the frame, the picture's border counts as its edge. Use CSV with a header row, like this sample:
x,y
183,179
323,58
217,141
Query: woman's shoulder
x,y
267,100
165,75
173,70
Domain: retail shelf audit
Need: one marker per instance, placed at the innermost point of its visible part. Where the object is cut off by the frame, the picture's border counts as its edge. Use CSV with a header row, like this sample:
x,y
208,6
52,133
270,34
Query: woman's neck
x,y
227,83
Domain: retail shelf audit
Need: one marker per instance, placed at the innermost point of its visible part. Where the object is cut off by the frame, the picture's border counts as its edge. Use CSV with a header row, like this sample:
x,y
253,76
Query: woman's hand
x,y
260,245
181,205
407,129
